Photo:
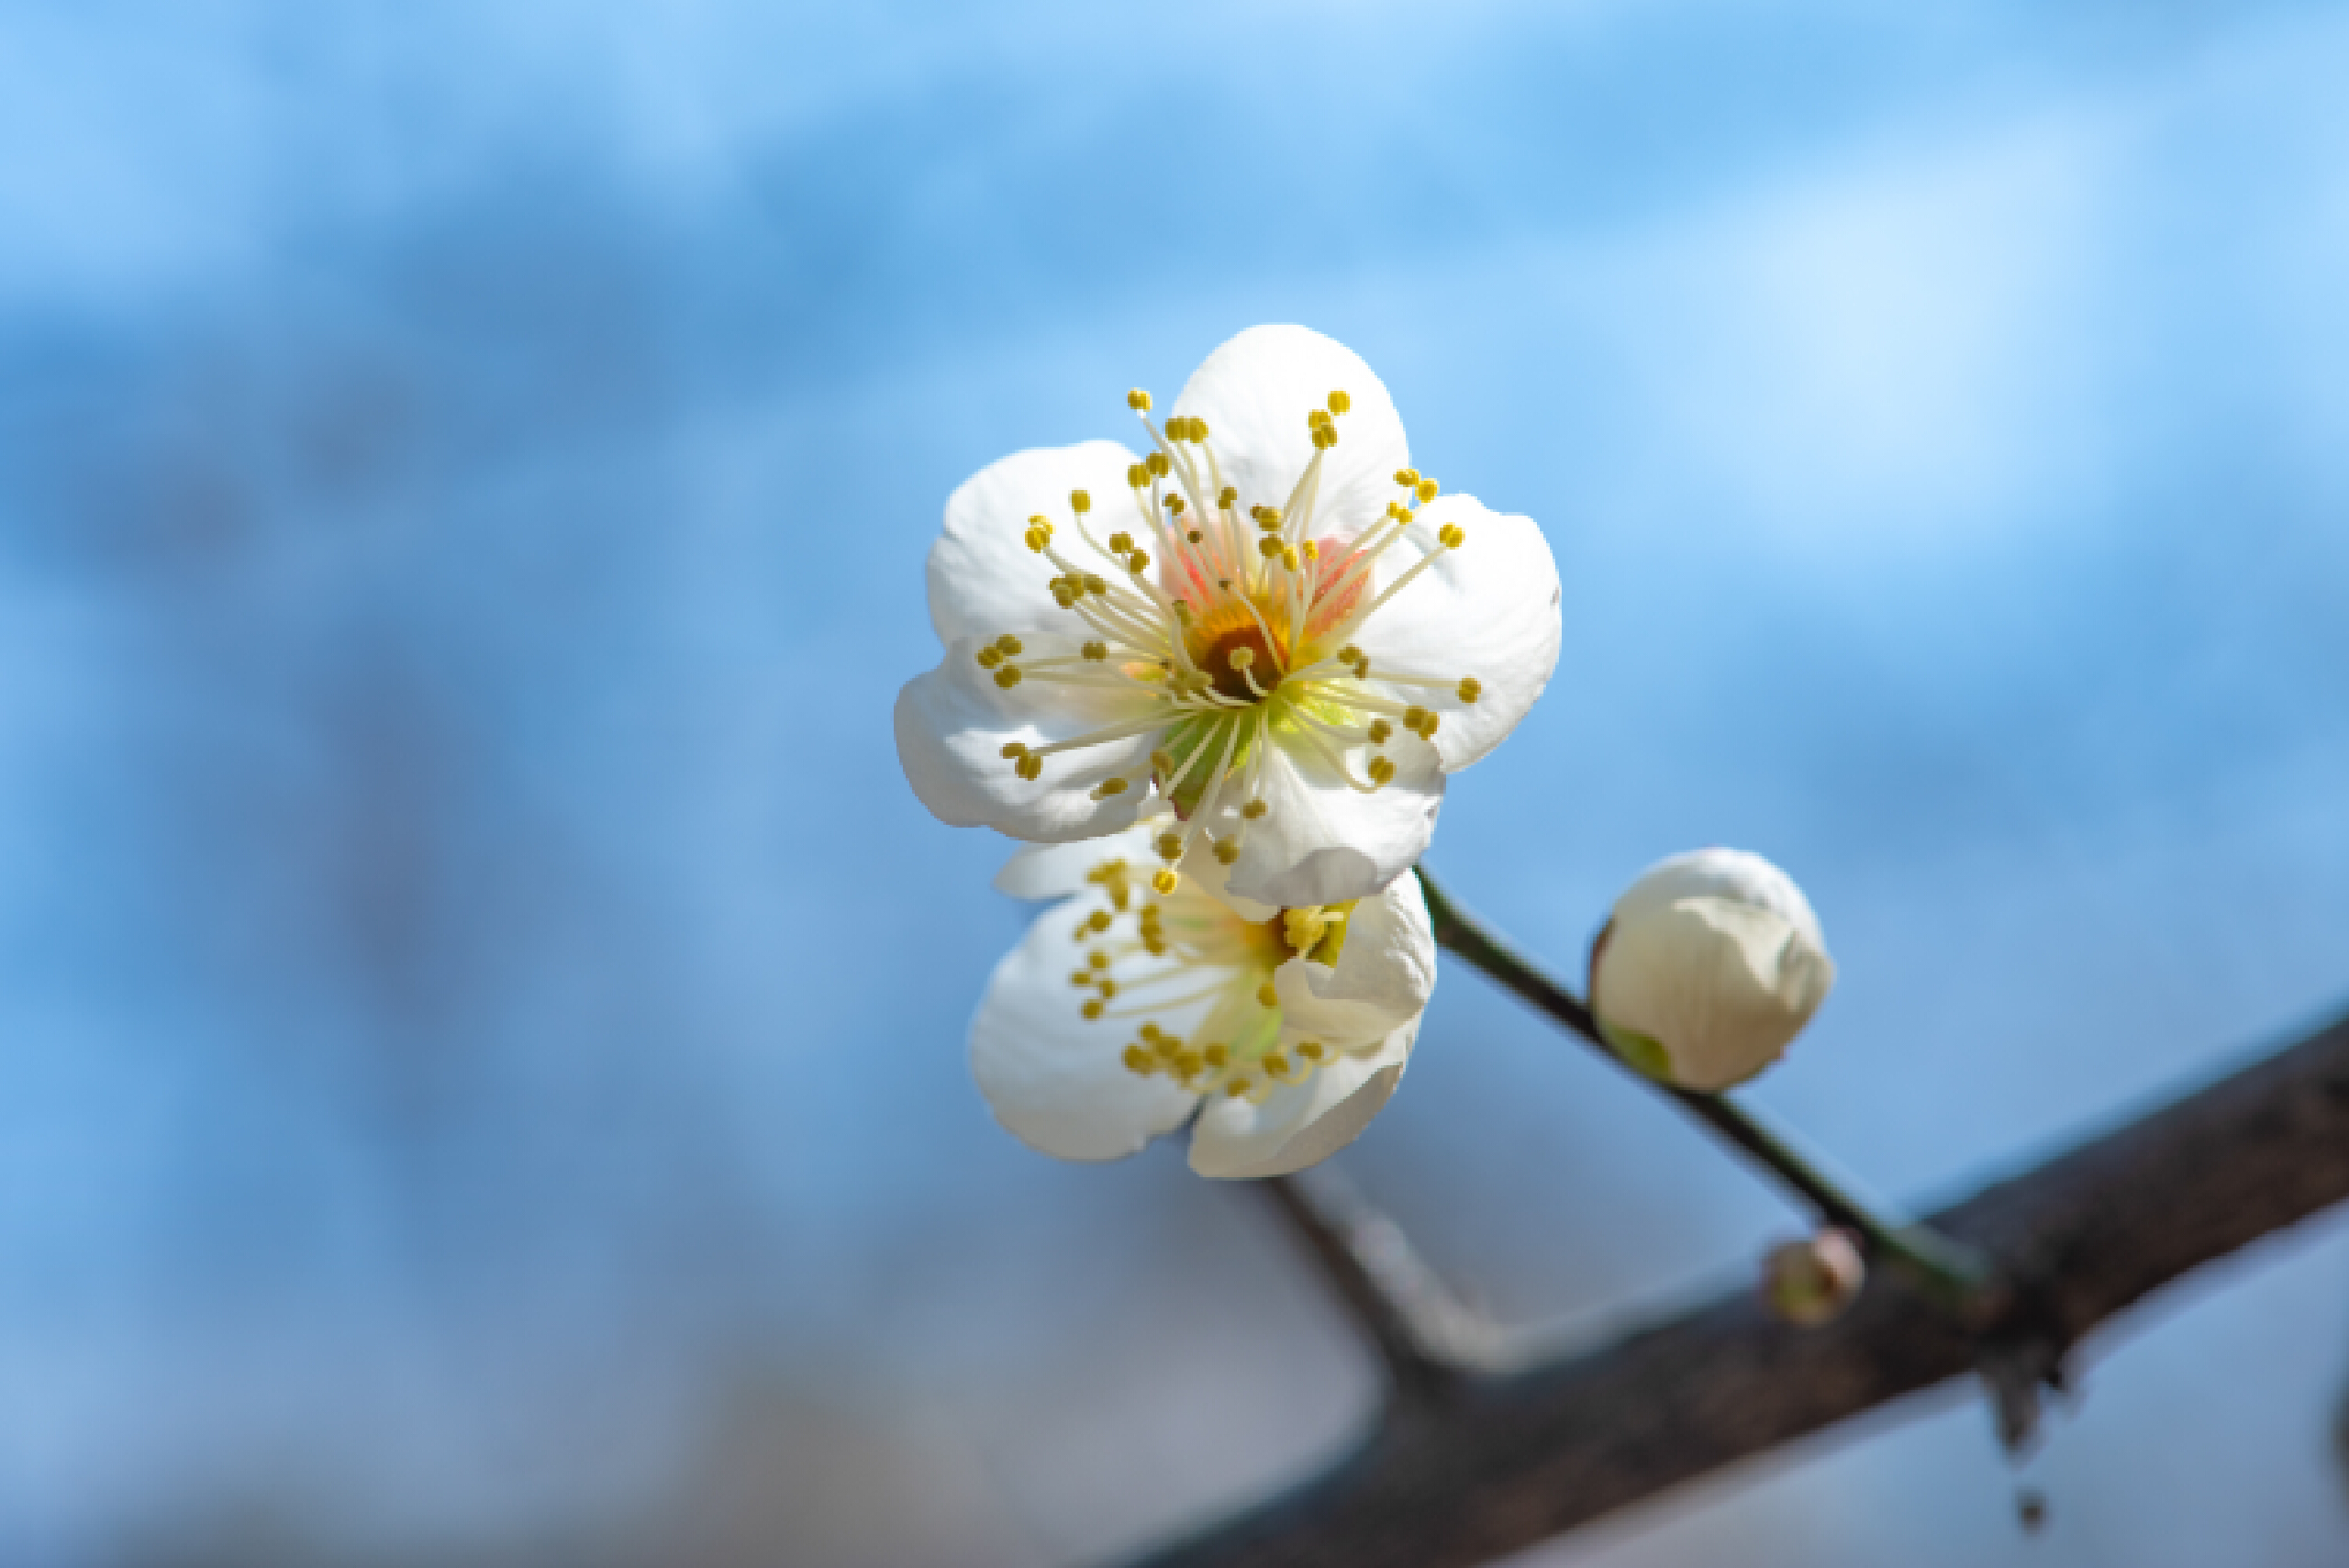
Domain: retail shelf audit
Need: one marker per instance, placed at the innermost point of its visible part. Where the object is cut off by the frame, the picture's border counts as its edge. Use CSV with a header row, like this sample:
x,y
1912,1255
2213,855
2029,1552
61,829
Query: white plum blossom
x,y
1271,622
1125,1010
1710,964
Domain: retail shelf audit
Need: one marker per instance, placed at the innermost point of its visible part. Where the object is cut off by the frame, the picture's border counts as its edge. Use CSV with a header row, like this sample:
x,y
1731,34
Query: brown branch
x,y
1506,1459
1430,1343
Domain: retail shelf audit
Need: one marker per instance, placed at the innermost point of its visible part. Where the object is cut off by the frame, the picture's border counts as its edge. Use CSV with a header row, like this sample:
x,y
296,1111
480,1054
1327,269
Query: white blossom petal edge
x,y
1284,635
1124,1010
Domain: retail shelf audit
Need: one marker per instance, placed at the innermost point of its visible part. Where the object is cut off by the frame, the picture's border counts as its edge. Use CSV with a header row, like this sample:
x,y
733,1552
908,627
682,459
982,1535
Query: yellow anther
x,y
1270,546
1181,608
1311,1049
1099,922
1350,654
1471,688
1163,880
1137,1060
1093,1009
1174,505
1427,730
1215,1055
1380,769
1095,583
1325,436
1267,995
1007,677
1288,559
1187,1064
1227,850
988,657
1108,989
1162,763
1010,645
1199,429
1121,542
1414,718
1095,651
1268,518
1029,767
1303,927
1195,536
1276,1065
1228,496
1311,551
1156,463
1254,809
1427,489
1138,400
1317,417
1241,657
1014,749
1339,403
1080,501
1408,478
1451,536
1170,848
1170,1046
1138,476
1380,731
1237,1087
1037,539
1108,787
1139,562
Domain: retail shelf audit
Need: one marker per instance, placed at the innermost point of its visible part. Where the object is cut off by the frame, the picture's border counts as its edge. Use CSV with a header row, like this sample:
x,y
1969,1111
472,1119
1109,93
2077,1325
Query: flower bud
x,y
1712,962
1811,1282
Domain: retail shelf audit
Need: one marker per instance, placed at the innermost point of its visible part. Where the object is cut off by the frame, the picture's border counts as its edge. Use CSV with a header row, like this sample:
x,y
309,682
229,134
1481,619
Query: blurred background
x,y
481,1014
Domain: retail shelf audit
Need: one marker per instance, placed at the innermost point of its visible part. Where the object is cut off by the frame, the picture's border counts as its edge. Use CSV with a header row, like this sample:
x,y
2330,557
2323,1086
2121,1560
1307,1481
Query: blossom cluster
x,y
1217,687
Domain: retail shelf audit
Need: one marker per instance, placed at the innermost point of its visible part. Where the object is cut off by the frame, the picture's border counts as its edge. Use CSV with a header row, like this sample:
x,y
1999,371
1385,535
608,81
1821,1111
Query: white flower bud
x,y
1712,962
1811,1282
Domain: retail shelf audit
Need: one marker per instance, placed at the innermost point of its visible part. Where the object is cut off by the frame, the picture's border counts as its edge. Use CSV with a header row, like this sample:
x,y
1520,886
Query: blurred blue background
x,y
481,1014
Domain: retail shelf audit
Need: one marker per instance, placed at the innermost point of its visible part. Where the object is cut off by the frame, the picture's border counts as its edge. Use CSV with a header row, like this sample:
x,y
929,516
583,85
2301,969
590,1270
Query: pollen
x,y
1138,400
1339,403
1079,501
1452,536
1007,677
1470,688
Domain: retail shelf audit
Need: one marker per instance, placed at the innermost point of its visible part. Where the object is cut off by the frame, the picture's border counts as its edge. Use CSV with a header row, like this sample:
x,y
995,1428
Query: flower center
x,y
1143,958
1234,607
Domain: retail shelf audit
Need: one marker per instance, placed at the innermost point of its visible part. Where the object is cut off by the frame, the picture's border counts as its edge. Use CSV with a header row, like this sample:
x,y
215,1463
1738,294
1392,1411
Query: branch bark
x,y
1505,1461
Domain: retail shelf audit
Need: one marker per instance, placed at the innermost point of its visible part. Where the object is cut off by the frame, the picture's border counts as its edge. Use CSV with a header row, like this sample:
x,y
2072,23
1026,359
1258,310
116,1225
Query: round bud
x,y
1710,966
1811,1282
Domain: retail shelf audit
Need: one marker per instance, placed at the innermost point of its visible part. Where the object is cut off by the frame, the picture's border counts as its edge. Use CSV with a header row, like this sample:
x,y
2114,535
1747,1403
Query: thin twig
x,y
1426,1339
1956,1277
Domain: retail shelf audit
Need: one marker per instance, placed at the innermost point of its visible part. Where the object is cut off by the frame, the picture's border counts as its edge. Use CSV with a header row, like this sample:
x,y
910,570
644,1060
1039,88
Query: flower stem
x,y
1954,1275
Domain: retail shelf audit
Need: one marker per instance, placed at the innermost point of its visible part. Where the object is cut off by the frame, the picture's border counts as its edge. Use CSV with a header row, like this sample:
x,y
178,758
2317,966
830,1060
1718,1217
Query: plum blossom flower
x,y
1283,630
1710,964
1125,1010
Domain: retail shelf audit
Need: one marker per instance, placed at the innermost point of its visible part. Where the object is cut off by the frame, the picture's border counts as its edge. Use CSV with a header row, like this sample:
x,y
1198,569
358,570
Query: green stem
x,y
1953,1275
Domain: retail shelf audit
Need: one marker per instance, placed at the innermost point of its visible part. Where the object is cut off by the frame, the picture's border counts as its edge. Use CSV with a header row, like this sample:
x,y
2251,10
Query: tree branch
x,y
1430,1343
1506,1459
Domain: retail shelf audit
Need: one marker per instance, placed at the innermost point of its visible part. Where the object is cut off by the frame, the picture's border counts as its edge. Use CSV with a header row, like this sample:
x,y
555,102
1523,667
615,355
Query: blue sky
x,y
480,1045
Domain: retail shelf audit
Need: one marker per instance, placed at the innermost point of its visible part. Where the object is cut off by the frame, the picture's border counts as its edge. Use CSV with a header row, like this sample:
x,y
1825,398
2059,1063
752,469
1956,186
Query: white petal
x,y
983,580
1302,1124
1488,609
1054,1078
1388,960
1323,841
953,723
1057,871
1721,985
1734,875
1255,393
